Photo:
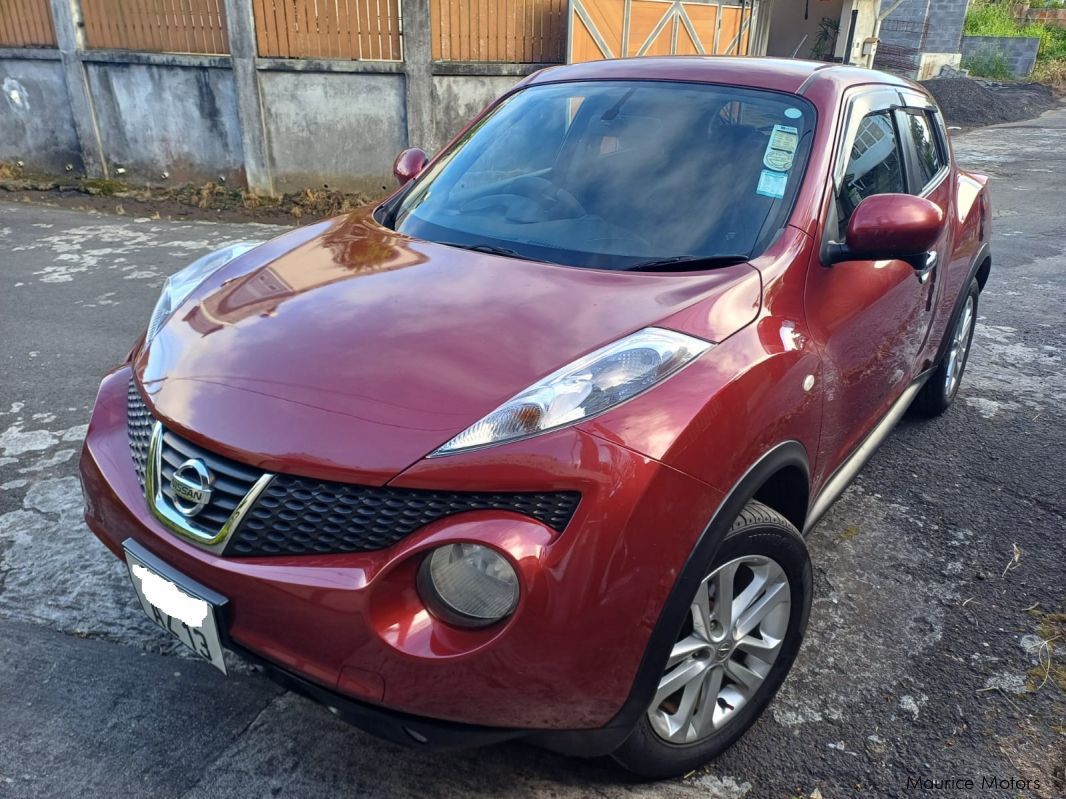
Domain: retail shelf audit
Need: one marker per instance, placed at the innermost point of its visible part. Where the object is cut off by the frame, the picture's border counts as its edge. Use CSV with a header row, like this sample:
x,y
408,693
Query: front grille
x,y
298,516
139,430
231,482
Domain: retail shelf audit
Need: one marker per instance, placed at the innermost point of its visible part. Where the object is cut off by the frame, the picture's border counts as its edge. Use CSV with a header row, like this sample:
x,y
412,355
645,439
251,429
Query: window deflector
x,y
857,107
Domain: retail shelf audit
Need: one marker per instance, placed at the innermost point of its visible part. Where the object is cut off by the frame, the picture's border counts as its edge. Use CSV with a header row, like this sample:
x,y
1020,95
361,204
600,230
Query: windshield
x,y
611,174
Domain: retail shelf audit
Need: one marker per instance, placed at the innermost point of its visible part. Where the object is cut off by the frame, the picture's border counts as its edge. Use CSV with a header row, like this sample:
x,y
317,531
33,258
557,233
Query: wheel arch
x,y
787,491
780,468
980,269
984,269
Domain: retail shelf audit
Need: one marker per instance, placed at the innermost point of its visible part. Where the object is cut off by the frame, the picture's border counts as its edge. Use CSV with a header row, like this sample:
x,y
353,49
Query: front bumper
x,y
351,631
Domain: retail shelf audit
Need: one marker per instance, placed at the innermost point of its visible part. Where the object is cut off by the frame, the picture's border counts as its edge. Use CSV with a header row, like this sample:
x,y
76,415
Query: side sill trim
x,y
846,472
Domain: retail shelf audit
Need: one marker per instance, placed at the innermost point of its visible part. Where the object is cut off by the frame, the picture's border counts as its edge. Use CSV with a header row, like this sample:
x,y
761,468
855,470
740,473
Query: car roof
x,y
779,74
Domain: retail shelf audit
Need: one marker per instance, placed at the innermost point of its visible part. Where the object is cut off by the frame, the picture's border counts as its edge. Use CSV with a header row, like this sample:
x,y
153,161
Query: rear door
x,y
930,176
871,318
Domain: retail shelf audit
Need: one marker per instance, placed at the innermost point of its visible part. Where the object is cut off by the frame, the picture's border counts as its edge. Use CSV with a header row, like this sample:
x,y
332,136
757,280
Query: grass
x,y
1052,72
1051,628
988,65
990,18
986,18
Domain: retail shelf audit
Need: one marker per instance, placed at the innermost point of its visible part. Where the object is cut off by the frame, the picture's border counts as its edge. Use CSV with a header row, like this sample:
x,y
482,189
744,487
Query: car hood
x,y
345,350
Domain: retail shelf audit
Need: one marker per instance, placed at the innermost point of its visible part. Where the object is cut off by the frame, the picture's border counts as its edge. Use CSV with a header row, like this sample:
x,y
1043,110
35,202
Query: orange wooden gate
x,y
600,29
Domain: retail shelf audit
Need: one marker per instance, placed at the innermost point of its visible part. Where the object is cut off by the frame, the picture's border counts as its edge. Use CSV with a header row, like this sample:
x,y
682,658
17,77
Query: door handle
x,y
928,265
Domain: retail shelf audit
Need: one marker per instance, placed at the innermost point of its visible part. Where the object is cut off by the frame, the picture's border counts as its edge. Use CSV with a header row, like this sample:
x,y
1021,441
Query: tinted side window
x,y
926,147
874,164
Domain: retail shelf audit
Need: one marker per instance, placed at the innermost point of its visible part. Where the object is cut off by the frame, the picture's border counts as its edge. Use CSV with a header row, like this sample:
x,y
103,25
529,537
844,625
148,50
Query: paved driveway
x,y
938,572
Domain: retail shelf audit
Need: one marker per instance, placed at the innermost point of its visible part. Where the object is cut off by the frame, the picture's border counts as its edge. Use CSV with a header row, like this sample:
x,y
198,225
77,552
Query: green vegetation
x,y
108,188
990,18
988,65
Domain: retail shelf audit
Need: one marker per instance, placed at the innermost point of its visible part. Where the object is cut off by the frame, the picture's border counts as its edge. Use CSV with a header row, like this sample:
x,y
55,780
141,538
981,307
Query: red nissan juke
x,y
529,449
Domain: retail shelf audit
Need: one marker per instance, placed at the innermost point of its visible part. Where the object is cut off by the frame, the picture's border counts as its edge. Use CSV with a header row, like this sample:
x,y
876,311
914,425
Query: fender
x,y
984,253
602,741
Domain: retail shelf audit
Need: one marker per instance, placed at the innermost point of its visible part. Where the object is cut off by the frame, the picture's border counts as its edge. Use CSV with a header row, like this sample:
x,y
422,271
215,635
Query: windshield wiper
x,y
491,249
687,262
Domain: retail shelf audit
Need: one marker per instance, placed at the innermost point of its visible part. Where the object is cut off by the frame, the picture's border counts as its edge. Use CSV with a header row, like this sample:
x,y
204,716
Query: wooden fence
x,y
346,29
26,23
161,26
516,31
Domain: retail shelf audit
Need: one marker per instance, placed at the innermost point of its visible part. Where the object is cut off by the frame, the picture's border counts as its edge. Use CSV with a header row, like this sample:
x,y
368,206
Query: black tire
x,y
757,531
940,391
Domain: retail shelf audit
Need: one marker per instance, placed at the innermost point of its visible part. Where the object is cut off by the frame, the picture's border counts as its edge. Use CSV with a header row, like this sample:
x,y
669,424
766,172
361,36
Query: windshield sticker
x,y
772,184
793,113
781,148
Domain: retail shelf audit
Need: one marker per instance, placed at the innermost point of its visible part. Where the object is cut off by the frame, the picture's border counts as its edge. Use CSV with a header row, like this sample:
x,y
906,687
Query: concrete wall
x,y
1018,53
865,23
175,119
946,18
339,129
933,26
457,99
36,123
335,123
920,37
930,65
269,124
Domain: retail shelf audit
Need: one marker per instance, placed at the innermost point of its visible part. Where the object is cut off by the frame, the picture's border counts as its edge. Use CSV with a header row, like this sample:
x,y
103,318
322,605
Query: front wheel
x,y
736,643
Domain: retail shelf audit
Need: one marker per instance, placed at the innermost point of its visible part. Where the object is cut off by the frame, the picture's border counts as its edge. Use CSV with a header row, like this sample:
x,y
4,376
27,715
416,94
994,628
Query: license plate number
x,y
179,608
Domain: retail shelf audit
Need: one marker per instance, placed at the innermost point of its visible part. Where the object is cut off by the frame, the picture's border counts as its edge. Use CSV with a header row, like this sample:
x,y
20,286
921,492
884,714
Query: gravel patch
x,y
972,103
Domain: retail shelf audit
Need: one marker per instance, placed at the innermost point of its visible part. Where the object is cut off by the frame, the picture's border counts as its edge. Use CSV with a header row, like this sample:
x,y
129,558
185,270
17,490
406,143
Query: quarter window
x,y
874,164
929,160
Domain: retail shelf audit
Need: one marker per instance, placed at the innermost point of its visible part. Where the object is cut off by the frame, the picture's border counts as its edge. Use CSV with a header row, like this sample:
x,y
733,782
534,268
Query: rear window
x,y
606,174
929,159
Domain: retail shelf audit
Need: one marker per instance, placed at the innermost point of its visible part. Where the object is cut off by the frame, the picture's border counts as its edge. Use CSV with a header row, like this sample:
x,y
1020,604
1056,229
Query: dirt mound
x,y
971,103
210,200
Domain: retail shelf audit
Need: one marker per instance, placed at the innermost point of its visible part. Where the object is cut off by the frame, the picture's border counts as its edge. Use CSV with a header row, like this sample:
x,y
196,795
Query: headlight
x,y
181,284
585,388
469,585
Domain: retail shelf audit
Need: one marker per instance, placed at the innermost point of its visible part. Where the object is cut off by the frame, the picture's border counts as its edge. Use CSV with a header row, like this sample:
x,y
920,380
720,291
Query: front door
x,y
871,318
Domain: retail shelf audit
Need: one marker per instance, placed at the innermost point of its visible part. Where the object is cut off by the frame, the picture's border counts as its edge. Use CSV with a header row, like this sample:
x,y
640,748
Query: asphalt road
x,y
938,573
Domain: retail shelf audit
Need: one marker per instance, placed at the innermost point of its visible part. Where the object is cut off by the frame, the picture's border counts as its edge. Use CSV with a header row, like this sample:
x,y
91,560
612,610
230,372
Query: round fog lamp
x,y
468,584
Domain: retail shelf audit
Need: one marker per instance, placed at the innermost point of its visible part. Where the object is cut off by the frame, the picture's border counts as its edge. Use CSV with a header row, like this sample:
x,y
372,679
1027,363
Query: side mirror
x,y
409,164
887,226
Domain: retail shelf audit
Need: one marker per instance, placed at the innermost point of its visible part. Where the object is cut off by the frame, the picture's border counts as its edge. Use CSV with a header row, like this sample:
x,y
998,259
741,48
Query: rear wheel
x,y
943,386
737,641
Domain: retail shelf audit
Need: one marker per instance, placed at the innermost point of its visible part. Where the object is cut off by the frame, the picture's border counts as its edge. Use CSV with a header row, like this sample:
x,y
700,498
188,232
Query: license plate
x,y
183,608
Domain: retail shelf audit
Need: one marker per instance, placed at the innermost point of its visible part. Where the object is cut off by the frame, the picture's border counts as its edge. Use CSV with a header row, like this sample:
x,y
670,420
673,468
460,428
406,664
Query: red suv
x,y
529,449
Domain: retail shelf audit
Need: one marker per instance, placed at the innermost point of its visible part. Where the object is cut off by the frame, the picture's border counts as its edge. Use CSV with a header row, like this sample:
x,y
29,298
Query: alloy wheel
x,y
960,350
732,636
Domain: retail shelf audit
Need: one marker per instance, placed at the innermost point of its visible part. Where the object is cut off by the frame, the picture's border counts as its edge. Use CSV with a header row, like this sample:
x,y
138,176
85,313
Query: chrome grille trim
x,y
160,498
157,452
